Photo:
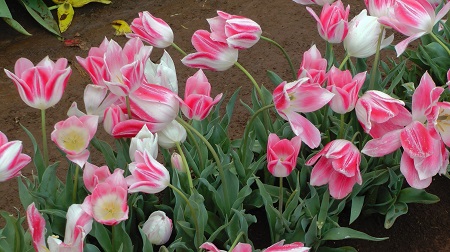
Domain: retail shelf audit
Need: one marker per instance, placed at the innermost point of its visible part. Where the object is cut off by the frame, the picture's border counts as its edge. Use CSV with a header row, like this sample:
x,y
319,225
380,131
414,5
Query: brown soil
x,y
425,228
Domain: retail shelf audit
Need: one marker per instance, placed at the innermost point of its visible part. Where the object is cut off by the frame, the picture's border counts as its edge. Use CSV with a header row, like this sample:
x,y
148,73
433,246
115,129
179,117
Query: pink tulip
x,y
338,165
113,115
301,96
36,224
107,204
379,113
240,247
94,63
198,102
238,32
282,155
12,160
94,175
333,21
147,175
318,2
413,18
313,66
293,247
211,55
345,89
40,86
74,135
158,228
152,30
379,8
177,162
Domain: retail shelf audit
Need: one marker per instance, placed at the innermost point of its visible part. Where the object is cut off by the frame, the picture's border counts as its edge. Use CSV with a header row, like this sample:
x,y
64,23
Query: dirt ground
x,y
425,228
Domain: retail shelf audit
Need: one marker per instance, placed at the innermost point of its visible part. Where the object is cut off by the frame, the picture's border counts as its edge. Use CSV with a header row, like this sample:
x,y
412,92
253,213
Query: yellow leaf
x,y
121,27
79,3
59,1
65,16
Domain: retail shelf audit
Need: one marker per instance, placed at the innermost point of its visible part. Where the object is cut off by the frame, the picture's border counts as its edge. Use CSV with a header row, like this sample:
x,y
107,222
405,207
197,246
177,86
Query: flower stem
x,y
255,84
75,184
344,61
179,49
215,156
376,61
341,127
238,237
188,171
127,101
284,53
44,138
197,147
440,42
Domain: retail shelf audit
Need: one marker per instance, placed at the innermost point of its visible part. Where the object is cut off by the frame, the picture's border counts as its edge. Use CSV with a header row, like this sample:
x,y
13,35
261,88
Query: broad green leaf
x,y
102,235
40,12
14,24
396,210
341,233
357,204
412,195
25,197
274,77
147,246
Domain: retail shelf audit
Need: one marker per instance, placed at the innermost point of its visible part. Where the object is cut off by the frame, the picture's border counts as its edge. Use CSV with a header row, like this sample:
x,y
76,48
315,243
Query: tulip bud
x,y
158,228
177,162
144,141
171,134
152,30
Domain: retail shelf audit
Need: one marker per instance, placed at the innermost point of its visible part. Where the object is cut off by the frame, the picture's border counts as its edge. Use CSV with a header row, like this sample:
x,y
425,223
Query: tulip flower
x,y
301,96
158,228
147,175
74,135
333,21
282,155
345,89
12,160
318,2
152,30
177,162
94,175
211,55
363,34
173,133
337,165
36,224
198,102
413,18
293,247
240,247
379,8
40,86
379,113
107,204
113,115
238,32
144,141
313,66
163,74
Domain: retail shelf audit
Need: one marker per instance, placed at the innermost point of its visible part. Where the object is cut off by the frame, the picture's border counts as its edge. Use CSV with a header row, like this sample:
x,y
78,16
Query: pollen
x,y
74,139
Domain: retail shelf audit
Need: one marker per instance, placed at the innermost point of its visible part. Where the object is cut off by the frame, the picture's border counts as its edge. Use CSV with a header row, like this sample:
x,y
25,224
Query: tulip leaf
x,y
37,159
341,249
40,12
102,235
225,122
274,78
323,213
341,233
147,246
271,212
357,204
120,238
49,184
12,234
412,195
90,248
65,15
396,210
106,150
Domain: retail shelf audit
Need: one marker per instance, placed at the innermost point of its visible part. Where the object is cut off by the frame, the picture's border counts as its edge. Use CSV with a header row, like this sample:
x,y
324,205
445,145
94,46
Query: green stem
x,y
294,74
188,171
54,7
376,61
440,42
127,101
75,184
215,156
344,61
238,237
44,138
179,49
341,127
255,84
197,147
280,206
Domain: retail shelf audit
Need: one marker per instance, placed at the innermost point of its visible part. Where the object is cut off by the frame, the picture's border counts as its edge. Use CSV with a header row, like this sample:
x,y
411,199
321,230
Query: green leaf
x,y
323,213
106,151
25,197
341,233
6,15
274,77
412,195
49,184
147,247
102,235
40,12
396,210
37,159
357,204
90,248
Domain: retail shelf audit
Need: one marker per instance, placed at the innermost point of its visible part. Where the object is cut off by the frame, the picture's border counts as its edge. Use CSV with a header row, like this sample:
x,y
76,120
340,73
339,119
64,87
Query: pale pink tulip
x,y
107,204
238,32
198,102
158,228
12,160
379,113
313,66
413,18
282,155
152,30
379,8
240,247
293,247
144,141
333,21
177,162
318,2
301,96
36,225
113,115
73,136
337,165
40,86
93,175
345,89
211,55
147,175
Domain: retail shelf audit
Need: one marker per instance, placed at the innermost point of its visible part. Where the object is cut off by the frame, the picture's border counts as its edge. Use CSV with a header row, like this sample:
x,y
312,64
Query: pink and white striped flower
x,y
282,155
292,247
163,74
379,8
301,96
197,103
12,160
333,21
211,55
40,86
337,165
413,18
152,30
313,66
36,225
113,116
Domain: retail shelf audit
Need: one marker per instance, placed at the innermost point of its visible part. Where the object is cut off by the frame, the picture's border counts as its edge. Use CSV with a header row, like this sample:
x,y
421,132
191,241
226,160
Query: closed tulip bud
x,y
171,134
158,228
177,162
152,30
282,155
333,21
144,141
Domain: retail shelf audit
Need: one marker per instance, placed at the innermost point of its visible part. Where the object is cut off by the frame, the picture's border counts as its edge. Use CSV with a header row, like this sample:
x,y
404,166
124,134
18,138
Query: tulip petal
x,y
408,170
384,145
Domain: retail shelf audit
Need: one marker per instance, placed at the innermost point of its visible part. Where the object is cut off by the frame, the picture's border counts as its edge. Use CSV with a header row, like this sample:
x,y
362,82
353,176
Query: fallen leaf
x,y
121,27
65,16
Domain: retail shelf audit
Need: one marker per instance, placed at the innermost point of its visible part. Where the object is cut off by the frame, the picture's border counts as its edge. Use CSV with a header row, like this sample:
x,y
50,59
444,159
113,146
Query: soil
x,y
424,228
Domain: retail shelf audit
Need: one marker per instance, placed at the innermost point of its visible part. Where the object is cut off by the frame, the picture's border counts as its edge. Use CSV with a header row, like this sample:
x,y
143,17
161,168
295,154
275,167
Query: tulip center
x,y
108,208
443,120
73,139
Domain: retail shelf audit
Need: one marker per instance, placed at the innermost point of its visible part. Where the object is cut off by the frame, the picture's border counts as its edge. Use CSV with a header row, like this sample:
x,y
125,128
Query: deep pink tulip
x,y
40,86
198,102
36,225
147,175
345,89
318,2
12,160
337,165
313,66
152,30
301,96
333,21
238,32
211,55
293,247
73,136
379,113
379,8
282,155
413,18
